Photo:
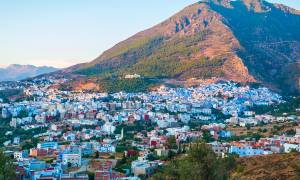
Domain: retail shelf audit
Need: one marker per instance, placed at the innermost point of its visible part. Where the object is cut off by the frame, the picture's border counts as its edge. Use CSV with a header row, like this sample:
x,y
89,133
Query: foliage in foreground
x,y
201,163
6,167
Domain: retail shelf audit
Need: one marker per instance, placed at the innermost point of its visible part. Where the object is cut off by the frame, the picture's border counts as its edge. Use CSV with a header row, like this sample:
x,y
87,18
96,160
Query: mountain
x,y
17,72
241,40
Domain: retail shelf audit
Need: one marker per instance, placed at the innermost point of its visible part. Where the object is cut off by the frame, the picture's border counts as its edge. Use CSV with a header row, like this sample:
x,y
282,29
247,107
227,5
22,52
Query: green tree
x,y
207,137
171,143
69,165
152,157
7,170
201,163
91,175
97,154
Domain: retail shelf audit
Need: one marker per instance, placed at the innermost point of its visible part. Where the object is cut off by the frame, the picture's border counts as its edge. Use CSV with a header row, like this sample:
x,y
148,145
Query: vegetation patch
x,y
128,85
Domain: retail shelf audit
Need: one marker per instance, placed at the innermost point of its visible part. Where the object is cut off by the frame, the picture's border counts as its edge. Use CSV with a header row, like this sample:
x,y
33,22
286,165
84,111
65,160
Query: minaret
x,y
122,134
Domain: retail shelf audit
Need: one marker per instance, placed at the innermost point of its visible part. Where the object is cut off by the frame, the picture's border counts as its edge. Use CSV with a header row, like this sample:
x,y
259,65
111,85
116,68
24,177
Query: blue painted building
x,y
247,151
47,145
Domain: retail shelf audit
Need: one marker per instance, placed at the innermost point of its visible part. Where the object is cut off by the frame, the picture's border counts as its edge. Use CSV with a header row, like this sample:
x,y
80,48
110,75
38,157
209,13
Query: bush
x,y
201,163
7,170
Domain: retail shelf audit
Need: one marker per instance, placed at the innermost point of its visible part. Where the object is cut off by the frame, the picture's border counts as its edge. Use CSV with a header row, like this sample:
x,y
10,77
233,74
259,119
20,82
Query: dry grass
x,y
270,167
240,131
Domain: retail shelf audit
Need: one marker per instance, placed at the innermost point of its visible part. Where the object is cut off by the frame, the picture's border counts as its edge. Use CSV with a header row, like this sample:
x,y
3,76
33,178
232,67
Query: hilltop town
x,y
211,92
58,134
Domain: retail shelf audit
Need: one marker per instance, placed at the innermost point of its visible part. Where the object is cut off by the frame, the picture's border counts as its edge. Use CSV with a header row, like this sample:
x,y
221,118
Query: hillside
x,y
17,72
276,166
243,41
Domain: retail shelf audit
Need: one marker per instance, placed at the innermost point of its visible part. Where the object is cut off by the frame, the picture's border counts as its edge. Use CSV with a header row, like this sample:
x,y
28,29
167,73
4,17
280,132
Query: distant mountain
x,y
16,72
240,40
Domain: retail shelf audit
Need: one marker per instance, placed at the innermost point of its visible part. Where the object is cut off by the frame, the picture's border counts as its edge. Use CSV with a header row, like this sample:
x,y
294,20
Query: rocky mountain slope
x,y
16,72
242,40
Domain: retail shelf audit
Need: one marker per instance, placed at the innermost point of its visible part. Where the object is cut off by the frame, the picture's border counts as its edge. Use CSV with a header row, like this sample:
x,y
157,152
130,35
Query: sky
x,y
62,33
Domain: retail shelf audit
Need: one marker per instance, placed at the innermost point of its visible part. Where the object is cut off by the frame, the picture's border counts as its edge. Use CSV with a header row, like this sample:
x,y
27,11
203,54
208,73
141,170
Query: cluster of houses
x,y
77,125
166,106
263,146
251,119
49,160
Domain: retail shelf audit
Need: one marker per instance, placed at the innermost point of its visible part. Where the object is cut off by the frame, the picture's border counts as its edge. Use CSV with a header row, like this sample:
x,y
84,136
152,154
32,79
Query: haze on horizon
x,y
63,33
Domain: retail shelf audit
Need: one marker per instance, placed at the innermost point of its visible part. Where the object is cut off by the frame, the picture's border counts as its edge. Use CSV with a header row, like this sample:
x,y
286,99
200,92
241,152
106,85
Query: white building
x,y
20,155
132,76
289,147
109,128
107,148
72,157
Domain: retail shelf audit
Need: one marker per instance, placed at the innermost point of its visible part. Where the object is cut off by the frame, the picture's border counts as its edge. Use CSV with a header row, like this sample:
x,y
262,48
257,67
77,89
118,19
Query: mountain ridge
x,y
243,41
15,72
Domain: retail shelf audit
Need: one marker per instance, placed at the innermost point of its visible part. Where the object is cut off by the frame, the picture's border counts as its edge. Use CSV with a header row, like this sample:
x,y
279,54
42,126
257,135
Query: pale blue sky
x,y
65,32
